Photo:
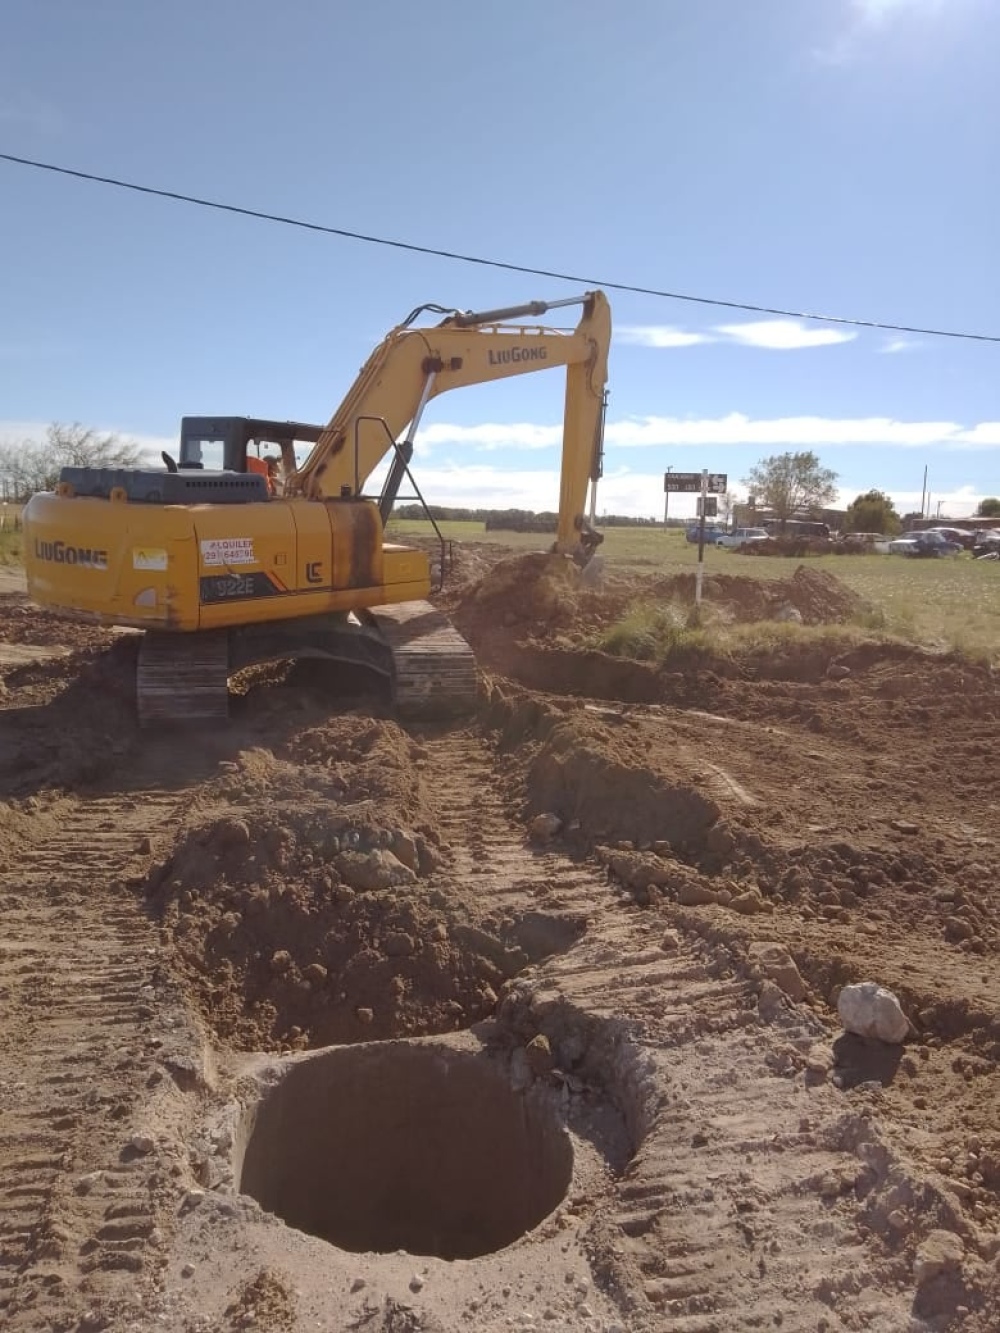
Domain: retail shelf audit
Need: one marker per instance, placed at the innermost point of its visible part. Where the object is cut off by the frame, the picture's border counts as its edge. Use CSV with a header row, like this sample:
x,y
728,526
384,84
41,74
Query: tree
x,y
790,483
34,465
726,503
989,508
872,512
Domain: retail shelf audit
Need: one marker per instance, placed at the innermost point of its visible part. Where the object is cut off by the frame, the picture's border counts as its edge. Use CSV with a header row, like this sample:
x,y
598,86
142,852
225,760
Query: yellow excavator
x,y
225,559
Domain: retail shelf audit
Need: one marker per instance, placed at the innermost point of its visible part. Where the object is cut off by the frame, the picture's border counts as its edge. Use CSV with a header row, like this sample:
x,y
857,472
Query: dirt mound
x,y
581,765
363,759
282,950
23,622
538,621
540,594
818,597
67,721
544,600
306,901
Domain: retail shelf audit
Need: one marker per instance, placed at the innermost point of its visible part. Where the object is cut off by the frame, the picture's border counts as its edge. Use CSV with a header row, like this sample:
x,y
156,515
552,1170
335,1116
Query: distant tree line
x,y
34,465
510,520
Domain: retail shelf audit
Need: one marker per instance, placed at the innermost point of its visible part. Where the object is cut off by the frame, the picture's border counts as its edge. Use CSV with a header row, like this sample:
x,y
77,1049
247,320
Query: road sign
x,y
690,482
711,506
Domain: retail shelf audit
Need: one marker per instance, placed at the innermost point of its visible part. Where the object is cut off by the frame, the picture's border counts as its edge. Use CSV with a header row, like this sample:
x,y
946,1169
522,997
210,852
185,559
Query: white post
x,y
701,539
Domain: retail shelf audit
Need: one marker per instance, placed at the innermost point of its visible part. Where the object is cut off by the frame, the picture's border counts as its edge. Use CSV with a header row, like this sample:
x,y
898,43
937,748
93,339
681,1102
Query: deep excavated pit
x,y
405,1147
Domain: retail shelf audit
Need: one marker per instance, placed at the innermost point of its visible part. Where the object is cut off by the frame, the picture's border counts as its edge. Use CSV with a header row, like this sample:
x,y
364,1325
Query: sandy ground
x,y
320,1022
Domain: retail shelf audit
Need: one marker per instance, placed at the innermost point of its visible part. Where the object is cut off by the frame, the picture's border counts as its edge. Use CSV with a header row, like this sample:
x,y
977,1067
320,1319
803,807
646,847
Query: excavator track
x,y
183,678
435,669
429,667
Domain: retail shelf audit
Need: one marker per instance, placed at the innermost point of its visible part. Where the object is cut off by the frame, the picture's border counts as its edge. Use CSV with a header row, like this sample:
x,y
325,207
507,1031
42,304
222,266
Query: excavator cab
x,y
233,444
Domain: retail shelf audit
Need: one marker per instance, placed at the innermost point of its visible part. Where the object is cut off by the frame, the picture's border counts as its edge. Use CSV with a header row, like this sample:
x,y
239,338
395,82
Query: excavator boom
x,y
413,365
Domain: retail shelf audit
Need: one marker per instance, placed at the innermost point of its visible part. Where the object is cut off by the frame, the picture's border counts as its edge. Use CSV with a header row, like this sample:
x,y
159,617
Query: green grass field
x,y
944,604
10,548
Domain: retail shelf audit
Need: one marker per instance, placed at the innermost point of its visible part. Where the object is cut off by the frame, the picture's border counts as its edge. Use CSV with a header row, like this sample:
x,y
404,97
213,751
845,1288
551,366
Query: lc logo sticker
x,y
314,571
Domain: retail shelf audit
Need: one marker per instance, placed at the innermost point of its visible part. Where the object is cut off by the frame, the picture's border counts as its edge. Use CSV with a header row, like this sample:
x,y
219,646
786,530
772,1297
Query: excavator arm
x,y
413,365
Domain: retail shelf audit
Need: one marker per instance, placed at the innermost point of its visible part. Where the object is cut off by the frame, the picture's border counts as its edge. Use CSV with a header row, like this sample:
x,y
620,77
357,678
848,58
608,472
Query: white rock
x,y
869,1010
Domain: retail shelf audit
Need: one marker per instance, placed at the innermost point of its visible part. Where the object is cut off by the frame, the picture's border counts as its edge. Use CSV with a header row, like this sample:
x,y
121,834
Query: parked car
x,y
740,538
923,544
711,532
963,537
987,543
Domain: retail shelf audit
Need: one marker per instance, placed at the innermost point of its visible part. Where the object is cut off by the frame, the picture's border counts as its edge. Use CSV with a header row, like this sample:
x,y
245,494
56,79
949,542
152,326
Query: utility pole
x,y
923,494
666,504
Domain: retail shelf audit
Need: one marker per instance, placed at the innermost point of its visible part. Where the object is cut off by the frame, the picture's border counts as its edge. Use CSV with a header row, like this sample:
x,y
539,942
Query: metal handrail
x,y
401,458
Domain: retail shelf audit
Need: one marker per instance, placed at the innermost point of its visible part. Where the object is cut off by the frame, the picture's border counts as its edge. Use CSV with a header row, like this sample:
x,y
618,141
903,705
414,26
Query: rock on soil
x,y
869,1010
778,966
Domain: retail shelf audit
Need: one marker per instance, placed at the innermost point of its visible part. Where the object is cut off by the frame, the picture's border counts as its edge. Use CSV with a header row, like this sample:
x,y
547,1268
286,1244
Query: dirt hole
x,y
414,1148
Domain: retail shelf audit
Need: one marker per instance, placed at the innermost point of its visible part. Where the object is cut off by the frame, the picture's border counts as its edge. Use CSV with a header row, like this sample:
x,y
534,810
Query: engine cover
x,y
157,487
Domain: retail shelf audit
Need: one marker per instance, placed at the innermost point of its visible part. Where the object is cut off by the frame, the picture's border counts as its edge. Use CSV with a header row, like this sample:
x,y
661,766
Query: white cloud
x,y
639,494
734,429
625,491
659,335
866,20
493,435
781,335
801,432
876,13
651,432
785,334
984,436
892,346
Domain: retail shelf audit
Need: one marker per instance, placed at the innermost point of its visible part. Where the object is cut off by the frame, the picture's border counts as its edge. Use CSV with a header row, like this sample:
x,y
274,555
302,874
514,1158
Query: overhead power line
x,y
437,253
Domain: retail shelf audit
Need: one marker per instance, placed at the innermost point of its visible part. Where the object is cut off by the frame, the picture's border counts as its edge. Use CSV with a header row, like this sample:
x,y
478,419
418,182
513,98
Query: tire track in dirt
x,y
76,1207
743,1173
751,1187
490,854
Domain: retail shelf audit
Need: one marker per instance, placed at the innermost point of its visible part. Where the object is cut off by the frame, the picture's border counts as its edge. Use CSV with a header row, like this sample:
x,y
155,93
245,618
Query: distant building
x,y
800,524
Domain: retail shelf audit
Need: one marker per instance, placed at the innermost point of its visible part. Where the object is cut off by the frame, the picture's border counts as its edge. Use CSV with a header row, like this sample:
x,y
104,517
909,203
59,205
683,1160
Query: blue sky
x,y
825,155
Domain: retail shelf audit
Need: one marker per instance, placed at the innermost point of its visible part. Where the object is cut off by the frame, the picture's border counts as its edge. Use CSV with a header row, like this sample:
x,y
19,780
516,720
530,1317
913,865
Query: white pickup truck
x,y
741,537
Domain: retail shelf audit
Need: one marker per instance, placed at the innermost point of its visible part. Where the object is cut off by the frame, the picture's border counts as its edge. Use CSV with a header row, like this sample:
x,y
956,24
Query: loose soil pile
x,y
539,619
307,900
542,594
25,623
67,721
